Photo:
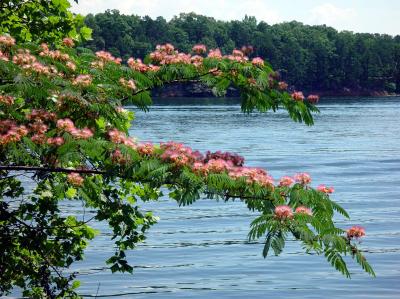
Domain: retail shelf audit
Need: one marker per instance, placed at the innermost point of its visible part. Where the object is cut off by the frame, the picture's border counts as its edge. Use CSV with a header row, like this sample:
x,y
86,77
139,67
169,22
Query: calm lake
x,y
201,251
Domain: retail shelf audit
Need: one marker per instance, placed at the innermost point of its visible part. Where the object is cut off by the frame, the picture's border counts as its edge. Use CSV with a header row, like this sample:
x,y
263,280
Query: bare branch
x,y
49,169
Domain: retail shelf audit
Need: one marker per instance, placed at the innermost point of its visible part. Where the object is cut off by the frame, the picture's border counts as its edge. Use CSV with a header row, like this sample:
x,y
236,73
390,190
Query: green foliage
x,y
315,58
62,125
43,20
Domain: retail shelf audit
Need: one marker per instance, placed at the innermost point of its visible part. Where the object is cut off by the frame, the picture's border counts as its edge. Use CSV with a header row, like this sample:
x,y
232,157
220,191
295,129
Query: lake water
x,y
200,251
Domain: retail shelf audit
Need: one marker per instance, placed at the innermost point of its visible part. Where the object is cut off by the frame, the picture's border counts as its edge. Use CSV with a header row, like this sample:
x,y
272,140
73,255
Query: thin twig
x,y
49,169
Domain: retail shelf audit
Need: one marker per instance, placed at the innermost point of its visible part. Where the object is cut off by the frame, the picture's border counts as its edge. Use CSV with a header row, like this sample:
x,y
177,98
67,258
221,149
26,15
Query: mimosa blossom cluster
x,y
303,210
130,84
56,55
29,62
237,55
68,125
71,65
11,132
145,148
68,42
253,176
41,114
232,158
355,232
257,61
312,98
107,57
37,118
282,85
75,179
6,100
138,65
3,56
118,158
38,128
297,96
217,162
119,137
197,60
285,212
286,181
55,141
325,189
247,50
23,57
199,49
163,55
82,80
215,53
7,40
179,154
303,178
166,54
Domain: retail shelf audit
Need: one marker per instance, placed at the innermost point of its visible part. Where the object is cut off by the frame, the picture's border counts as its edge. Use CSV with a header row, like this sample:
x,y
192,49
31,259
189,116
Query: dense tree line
x,y
318,57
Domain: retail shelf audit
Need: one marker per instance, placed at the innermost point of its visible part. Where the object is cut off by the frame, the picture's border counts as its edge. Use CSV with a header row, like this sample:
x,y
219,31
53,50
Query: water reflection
x,y
201,251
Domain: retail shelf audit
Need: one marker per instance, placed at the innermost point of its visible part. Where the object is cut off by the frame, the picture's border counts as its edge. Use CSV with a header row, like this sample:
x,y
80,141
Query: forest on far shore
x,y
311,58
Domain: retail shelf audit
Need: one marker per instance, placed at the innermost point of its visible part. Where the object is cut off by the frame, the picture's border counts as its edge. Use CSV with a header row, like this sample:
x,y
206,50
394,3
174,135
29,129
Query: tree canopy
x,y
62,122
315,58
64,137
43,20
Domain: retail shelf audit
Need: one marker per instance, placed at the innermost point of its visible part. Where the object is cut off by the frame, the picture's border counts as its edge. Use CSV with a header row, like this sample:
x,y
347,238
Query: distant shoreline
x,y
200,91
354,93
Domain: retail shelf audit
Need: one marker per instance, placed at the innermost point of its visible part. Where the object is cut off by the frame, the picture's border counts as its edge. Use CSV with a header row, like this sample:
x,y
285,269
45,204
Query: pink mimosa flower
x,y
298,96
217,165
75,179
7,40
286,181
282,85
303,210
116,136
303,178
145,148
199,49
65,124
6,100
283,212
237,53
325,189
130,84
312,98
85,133
24,58
355,232
258,61
39,138
68,42
40,115
71,65
137,65
56,141
117,157
38,127
215,53
82,80
3,56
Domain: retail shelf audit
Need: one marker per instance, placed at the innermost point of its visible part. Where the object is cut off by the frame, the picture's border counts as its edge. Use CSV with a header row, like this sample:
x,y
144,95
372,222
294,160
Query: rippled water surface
x,y
200,251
